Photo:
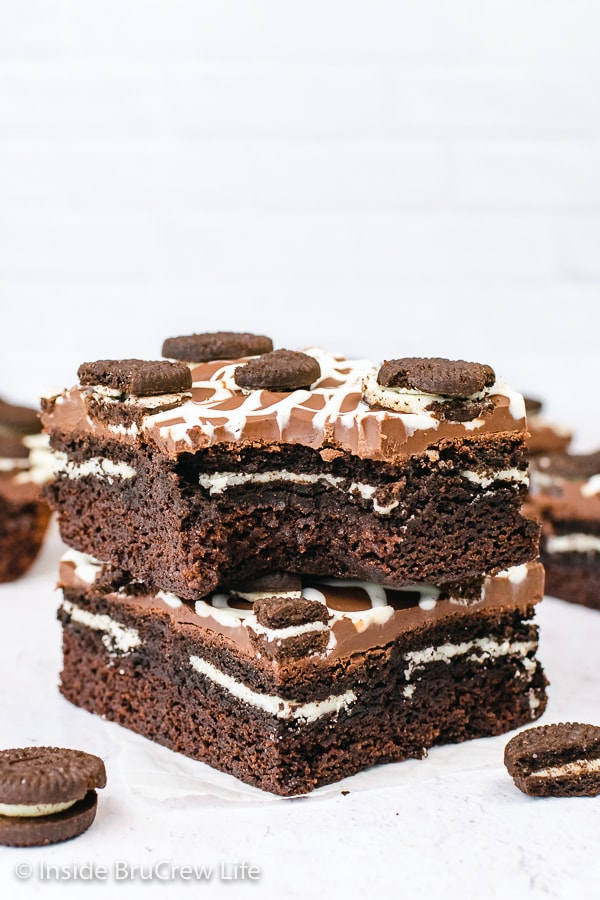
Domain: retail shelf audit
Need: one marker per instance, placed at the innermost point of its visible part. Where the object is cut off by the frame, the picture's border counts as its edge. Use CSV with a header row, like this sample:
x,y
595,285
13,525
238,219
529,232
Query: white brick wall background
x,y
383,178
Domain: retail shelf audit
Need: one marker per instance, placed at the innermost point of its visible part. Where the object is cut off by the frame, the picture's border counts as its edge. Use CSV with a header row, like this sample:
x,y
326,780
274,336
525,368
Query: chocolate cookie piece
x,y
556,760
435,375
216,345
21,419
137,376
47,794
281,370
286,612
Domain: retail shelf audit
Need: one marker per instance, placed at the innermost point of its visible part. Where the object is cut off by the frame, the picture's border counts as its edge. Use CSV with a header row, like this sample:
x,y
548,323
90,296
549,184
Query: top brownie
x,y
294,462
320,400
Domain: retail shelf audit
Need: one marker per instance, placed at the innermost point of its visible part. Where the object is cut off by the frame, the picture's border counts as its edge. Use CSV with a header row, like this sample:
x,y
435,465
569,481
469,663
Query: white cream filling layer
x,y
514,476
488,647
19,810
577,767
573,543
290,631
98,466
117,638
270,703
219,482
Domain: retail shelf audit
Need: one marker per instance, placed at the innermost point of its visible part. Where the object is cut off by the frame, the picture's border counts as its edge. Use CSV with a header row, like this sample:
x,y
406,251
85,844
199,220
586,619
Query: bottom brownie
x,y
289,707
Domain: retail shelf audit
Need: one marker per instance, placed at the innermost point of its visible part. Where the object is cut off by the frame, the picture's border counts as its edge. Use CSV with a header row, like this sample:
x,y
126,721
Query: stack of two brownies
x,y
293,566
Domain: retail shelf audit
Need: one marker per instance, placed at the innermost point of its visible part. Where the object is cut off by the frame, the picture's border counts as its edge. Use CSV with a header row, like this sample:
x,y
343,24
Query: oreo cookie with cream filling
x,y
47,794
560,760
455,390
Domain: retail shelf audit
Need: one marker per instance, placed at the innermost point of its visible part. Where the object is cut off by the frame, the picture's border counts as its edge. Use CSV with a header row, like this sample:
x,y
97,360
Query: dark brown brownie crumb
x,y
560,760
436,375
137,376
281,370
216,345
285,612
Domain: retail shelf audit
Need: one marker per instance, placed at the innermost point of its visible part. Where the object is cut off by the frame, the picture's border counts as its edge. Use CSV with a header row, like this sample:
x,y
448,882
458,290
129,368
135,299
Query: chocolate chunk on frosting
x,y
204,347
136,376
435,375
281,370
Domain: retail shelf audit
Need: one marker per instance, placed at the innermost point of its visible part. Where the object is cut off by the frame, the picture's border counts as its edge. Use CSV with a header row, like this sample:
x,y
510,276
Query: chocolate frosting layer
x,y
361,616
332,416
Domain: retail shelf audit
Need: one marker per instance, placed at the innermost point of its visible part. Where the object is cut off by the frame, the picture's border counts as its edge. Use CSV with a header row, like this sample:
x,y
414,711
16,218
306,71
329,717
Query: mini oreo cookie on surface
x,y
47,794
205,347
435,375
556,760
137,376
281,370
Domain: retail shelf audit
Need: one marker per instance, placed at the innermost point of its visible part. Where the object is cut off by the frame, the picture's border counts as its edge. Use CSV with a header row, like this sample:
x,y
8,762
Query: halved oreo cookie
x,y
281,370
47,794
556,760
436,375
142,377
200,348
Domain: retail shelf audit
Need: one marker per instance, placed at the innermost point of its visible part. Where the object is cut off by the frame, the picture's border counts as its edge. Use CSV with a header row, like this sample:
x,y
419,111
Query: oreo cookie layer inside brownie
x,y
565,495
24,466
294,462
291,683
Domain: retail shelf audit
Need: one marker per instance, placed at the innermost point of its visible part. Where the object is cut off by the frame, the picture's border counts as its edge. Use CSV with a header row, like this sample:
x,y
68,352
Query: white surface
x,y
453,823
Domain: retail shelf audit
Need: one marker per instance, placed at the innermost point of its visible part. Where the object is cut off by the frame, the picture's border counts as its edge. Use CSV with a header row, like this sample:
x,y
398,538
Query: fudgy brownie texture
x,y
173,525
404,700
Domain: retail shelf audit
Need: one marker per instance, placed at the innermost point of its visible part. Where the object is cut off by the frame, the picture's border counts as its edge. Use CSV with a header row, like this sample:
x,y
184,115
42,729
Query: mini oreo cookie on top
x,y
281,370
199,348
136,376
47,794
455,390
